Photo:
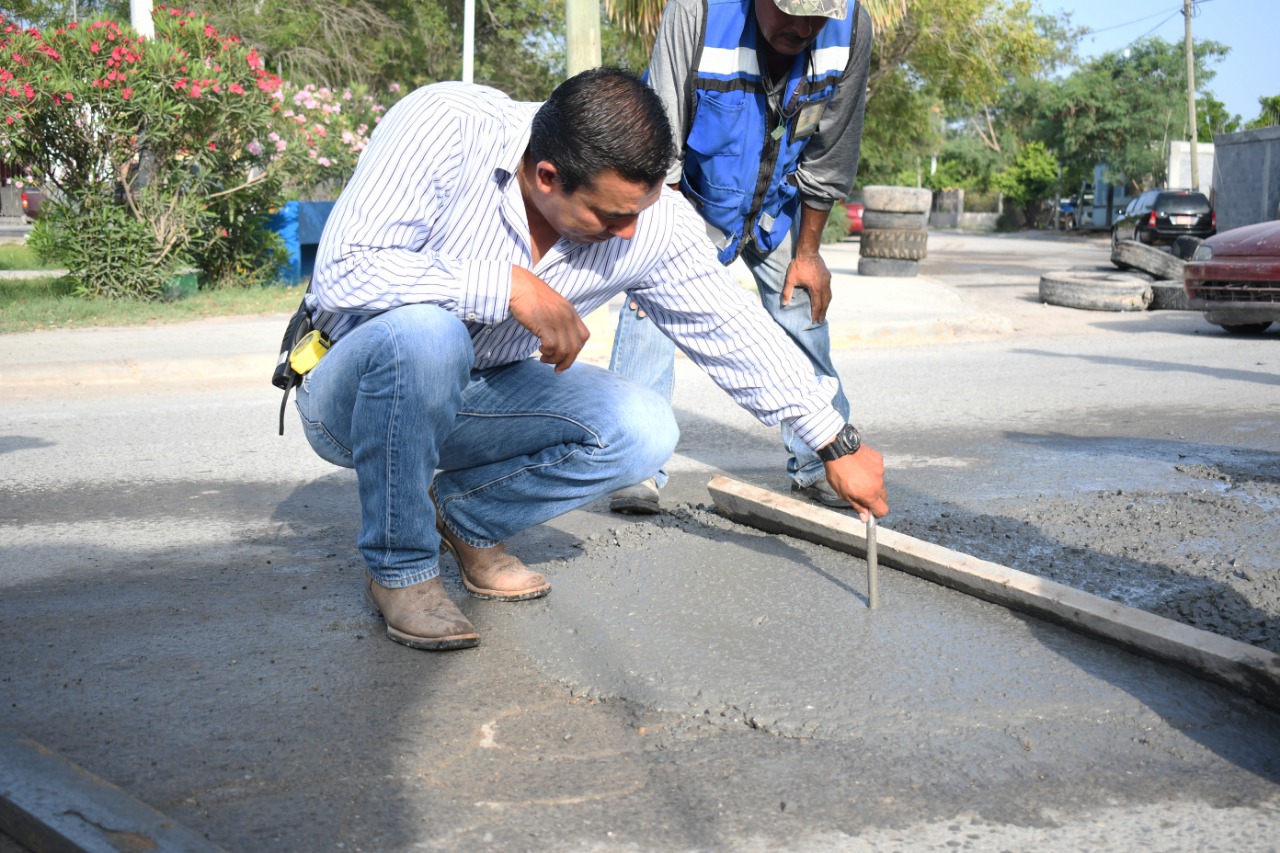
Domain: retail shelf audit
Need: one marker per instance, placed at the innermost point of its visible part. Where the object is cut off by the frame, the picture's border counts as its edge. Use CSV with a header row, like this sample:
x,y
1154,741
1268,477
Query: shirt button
x,y
471,315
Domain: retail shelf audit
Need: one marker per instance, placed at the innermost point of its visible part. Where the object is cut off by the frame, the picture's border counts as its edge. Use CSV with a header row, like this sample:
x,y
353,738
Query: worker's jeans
x,y
398,400
642,353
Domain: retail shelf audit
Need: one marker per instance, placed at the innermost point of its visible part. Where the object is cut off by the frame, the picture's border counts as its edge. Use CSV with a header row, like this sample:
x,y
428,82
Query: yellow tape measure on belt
x,y
308,352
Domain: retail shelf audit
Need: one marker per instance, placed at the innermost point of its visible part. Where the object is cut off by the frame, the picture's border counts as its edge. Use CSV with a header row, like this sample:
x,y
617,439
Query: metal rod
x,y
873,564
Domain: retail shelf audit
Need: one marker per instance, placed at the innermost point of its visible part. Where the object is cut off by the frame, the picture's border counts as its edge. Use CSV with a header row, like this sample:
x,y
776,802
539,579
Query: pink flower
x,y
213,146
254,148
126,93
236,89
195,90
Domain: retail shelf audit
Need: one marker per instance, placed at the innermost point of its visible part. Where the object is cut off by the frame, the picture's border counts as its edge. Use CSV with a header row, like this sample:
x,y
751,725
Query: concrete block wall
x,y
1246,177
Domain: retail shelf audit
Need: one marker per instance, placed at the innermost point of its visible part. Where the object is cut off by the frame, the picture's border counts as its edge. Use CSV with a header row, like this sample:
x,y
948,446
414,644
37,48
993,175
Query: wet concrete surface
x,y
181,615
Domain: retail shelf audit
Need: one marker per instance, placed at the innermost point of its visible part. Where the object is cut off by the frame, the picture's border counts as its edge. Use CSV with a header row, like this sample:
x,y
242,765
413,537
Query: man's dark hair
x,y
602,119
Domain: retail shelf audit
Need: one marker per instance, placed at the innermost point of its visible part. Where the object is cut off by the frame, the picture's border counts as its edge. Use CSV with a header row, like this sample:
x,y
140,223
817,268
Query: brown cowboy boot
x,y
422,616
492,573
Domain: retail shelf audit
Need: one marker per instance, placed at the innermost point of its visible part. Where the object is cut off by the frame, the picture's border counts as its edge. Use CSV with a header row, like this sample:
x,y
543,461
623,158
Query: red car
x,y
1234,278
854,209
32,198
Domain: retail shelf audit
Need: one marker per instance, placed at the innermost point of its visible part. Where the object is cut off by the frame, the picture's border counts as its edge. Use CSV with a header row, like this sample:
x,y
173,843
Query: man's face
x,y
609,207
789,35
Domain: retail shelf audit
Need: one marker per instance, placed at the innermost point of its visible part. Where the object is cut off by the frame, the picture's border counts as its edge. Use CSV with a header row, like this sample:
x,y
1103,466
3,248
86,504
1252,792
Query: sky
x,y
1248,27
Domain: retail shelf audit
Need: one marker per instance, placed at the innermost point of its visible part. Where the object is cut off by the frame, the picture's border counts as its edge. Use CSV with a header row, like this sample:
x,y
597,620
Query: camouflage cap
x,y
838,9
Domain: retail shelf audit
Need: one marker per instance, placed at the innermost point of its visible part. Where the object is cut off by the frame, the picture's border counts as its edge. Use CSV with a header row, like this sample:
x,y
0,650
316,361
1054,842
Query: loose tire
x,y
888,267
897,199
1168,296
1095,291
885,219
897,243
1127,254
1185,246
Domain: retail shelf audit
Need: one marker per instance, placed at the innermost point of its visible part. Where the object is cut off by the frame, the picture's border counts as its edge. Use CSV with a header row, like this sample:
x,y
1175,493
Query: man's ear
x,y
545,176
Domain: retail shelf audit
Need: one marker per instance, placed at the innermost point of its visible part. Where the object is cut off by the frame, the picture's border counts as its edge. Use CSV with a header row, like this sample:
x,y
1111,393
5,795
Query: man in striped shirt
x,y
475,232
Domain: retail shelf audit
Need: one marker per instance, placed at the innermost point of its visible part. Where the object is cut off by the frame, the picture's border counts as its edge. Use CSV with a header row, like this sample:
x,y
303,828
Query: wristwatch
x,y
846,441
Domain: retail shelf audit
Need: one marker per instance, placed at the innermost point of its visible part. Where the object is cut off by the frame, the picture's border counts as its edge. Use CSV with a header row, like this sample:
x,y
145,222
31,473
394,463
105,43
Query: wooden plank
x,y
1243,667
48,803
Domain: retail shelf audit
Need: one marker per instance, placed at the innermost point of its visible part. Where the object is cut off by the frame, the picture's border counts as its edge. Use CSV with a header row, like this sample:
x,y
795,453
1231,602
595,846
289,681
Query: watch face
x,y
847,441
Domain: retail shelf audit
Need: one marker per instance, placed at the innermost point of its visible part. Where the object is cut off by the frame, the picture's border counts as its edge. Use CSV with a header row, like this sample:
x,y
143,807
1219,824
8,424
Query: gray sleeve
x,y
670,65
829,163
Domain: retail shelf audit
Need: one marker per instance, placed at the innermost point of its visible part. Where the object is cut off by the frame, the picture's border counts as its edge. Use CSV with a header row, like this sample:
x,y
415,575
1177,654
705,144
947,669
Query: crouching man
x,y
475,232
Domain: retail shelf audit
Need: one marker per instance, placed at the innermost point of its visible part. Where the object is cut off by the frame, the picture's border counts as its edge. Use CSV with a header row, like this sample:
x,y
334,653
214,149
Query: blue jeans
x,y
642,353
502,449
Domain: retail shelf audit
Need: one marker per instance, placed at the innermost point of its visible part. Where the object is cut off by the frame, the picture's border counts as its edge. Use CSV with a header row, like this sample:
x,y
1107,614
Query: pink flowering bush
x,y
156,151
319,134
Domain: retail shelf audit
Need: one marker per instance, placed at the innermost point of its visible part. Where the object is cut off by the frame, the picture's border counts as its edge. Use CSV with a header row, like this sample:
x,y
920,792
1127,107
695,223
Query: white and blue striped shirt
x,y
433,214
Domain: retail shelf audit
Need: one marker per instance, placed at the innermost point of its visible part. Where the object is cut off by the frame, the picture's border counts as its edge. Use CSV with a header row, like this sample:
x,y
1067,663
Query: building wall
x,y
1246,177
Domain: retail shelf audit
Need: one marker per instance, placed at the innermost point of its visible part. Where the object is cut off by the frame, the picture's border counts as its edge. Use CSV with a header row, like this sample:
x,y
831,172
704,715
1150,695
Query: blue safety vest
x,y
736,160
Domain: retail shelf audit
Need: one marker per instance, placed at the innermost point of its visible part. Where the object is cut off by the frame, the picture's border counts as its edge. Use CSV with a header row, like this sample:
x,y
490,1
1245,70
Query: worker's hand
x,y
809,270
561,332
859,479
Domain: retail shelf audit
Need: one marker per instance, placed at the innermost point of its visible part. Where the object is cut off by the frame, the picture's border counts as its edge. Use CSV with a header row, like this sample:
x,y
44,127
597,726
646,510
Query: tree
x,y
1030,179
1212,118
1268,115
923,83
1121,109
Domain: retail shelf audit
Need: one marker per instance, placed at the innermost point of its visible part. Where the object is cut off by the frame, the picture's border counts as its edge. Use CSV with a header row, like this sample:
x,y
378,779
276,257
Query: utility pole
x,y
1191,97
582,35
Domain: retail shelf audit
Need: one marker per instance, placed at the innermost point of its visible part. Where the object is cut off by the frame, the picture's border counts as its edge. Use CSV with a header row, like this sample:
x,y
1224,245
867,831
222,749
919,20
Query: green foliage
x,y
837,227
899,129
157,143
1212,118
1121,110
1268,114
920,79
519,46
1032,177
110,253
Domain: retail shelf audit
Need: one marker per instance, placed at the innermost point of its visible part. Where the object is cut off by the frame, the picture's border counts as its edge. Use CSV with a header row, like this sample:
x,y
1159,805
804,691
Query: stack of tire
x,y
894,235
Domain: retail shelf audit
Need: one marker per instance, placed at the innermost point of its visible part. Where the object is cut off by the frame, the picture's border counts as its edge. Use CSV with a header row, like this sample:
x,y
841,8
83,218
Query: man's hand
x,y
859,479
548,315
807,269
810,272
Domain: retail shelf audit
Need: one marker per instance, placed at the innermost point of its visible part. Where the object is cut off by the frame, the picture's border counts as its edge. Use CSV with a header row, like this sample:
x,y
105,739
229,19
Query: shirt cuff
x,y
818,428
486,294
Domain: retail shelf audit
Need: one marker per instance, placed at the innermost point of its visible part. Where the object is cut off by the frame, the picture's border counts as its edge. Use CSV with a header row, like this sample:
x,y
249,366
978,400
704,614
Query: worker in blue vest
x,y
768,98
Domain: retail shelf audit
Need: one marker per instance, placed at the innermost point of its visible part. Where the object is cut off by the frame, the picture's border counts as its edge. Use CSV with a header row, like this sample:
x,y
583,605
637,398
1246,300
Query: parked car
x,y
1158,217
1234,278
855,209
32,198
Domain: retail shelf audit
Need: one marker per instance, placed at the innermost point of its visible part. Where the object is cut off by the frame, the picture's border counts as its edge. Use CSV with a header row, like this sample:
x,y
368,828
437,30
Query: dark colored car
x,y
854,209
1158,217
1234,278
32,198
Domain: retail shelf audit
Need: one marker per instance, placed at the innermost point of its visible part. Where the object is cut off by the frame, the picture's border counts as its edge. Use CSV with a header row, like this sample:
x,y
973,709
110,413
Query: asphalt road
x,y
180,615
